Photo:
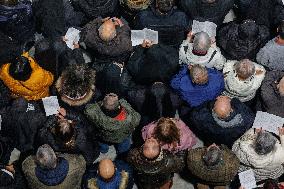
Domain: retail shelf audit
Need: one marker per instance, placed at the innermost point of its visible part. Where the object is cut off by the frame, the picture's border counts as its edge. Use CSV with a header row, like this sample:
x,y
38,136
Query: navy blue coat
x,y
205,126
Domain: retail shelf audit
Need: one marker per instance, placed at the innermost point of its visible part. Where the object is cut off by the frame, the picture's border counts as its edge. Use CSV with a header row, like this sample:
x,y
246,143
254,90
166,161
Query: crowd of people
x,y
135,116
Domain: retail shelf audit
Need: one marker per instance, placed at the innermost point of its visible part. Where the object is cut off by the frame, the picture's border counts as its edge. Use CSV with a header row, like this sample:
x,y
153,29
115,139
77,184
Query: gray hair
x,y
264,143
198,74
201,42
244,69
213,156
45,157
104,33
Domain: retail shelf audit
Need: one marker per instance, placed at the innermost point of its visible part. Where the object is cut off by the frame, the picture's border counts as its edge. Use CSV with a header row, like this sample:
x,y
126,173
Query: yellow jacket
x,y
35,88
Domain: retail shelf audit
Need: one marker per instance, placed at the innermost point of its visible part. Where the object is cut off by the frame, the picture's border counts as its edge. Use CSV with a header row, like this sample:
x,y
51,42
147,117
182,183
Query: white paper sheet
x,y
247,179
72,36
208,27
268,122
138,36
151,35
51,105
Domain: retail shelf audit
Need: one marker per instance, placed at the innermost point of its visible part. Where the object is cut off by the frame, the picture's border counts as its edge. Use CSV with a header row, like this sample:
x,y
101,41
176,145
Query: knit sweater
x,y
213,58
272,101
264,166
236,88
271,56
194,94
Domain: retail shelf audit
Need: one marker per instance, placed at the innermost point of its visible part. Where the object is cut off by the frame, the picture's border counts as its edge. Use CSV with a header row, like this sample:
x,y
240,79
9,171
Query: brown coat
x,y
77,166
220,176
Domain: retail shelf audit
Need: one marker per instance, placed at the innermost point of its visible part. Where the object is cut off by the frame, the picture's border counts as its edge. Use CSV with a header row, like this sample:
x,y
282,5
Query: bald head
x,y
281,87
151,148
107,30
222,107
106,169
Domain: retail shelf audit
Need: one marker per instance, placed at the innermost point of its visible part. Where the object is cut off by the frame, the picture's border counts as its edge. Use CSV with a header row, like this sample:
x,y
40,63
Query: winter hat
x,y
248,29
136,4
111,102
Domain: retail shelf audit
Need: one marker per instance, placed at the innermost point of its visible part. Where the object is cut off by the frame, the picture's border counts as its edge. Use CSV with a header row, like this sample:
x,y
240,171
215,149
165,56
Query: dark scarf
x,y
55,176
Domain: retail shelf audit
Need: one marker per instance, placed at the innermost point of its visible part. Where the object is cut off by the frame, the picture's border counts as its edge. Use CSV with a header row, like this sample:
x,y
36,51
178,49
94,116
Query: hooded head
x,y
248,29
76,84
20,69
164,6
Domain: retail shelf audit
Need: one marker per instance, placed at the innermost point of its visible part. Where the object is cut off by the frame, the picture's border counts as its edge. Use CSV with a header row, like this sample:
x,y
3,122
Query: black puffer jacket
x,y
262,11
240,41
17,21
158,63
213,12
213,130
172,27
84,144
21,121
10,49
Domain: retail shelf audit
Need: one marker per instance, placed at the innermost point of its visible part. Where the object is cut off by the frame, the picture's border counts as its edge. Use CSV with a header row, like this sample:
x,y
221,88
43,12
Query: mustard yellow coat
x,y
35,88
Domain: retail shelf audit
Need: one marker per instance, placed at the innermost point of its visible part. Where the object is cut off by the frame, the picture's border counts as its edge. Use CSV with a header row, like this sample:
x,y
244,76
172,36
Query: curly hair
x,y
166,131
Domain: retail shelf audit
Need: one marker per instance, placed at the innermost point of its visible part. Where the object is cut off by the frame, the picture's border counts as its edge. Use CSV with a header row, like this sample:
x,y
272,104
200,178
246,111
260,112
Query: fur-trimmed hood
x,y
71,101
123,181
109,129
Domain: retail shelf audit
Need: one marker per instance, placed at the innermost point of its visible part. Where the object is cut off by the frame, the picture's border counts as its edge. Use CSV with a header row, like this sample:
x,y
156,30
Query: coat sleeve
x,y
176,80
262,57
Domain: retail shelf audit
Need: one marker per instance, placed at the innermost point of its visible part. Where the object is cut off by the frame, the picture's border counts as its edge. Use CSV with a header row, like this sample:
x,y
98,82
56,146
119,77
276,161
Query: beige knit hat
x,y
136,4
110,101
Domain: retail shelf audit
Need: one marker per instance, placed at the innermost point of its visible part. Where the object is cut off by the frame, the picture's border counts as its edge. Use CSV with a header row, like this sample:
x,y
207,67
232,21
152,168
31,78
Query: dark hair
x,y
9,2
212,156
166,131
281,29
20,69
270,184
248,29
158,102
64,130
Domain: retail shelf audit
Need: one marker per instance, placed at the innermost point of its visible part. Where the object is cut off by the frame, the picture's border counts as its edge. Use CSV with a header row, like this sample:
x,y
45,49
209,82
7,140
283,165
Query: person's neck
x,y
279,41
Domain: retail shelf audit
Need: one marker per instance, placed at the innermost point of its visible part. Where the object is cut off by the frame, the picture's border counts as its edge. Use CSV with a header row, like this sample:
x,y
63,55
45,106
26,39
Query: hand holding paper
x,y
51,105
247,179
72,37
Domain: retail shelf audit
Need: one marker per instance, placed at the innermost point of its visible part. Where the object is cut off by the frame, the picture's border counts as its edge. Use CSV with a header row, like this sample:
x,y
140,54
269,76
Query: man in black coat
x,y
153,63
222,121
107,39
207,10
16,20
272,93
171,23
154,167
69,136
241,41
21,121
